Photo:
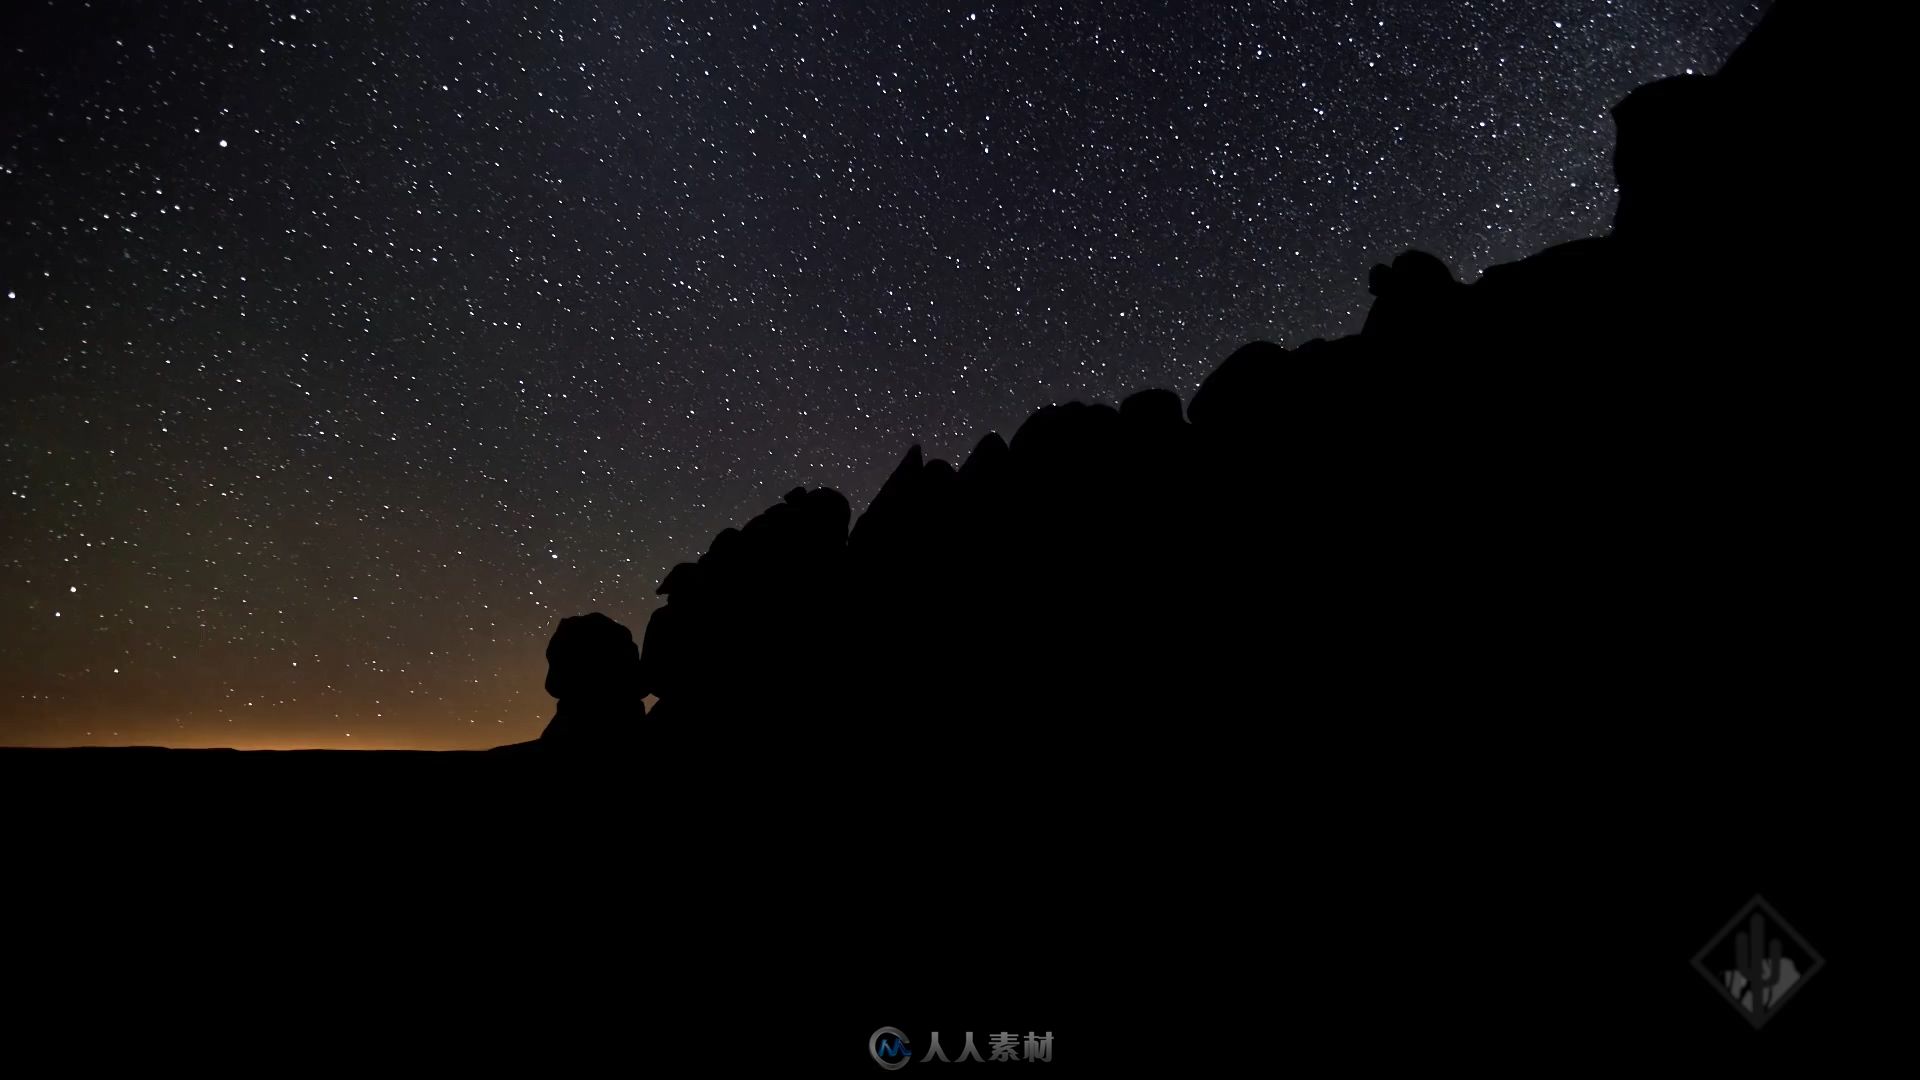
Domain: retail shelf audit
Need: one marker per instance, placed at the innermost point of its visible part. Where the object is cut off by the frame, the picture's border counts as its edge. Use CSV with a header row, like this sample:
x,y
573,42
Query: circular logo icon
x,y
889,1048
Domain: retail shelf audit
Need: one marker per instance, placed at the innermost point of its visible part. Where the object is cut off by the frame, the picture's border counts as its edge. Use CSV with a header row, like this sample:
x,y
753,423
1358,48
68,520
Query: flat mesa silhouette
x,y
1609,477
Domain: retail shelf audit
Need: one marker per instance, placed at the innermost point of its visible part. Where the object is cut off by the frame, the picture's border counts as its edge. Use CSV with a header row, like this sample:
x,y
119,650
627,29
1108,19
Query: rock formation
x,y
1609,481
593,670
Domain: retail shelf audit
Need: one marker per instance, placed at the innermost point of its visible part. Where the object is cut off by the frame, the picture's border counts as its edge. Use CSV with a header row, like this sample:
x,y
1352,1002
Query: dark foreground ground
x,y
224,910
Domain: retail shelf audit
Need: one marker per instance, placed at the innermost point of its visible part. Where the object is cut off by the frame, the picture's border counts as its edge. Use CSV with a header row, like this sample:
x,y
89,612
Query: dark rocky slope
x,y
1623,492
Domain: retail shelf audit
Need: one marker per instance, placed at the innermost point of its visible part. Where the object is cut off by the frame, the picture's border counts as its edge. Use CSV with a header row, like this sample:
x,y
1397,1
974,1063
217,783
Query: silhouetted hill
x,y
1613,492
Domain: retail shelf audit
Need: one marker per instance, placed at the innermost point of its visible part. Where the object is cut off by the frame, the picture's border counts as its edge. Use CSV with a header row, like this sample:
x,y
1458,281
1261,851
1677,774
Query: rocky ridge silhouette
x,y
1602,478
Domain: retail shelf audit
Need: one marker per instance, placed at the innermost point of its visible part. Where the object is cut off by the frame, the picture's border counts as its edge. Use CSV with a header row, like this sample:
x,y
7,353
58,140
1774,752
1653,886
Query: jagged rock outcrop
x,y
1597,480
593,670
749,624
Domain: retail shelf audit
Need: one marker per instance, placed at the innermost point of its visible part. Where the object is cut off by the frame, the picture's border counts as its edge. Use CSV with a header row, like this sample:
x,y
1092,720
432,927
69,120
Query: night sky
x,y
344,350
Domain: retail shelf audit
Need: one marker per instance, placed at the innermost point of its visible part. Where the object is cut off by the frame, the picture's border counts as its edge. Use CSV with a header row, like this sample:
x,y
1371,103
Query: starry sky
x,y
345,349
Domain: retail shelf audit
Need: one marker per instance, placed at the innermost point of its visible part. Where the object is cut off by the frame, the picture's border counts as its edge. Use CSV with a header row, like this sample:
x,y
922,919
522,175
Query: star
x,y
645,274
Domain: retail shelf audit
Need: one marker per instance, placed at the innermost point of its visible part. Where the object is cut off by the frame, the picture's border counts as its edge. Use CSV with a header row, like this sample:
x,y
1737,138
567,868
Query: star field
x,y
345,349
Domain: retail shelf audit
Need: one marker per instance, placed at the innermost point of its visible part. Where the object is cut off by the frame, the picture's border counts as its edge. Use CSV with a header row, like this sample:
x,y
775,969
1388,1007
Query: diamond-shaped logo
x,y
1757,962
